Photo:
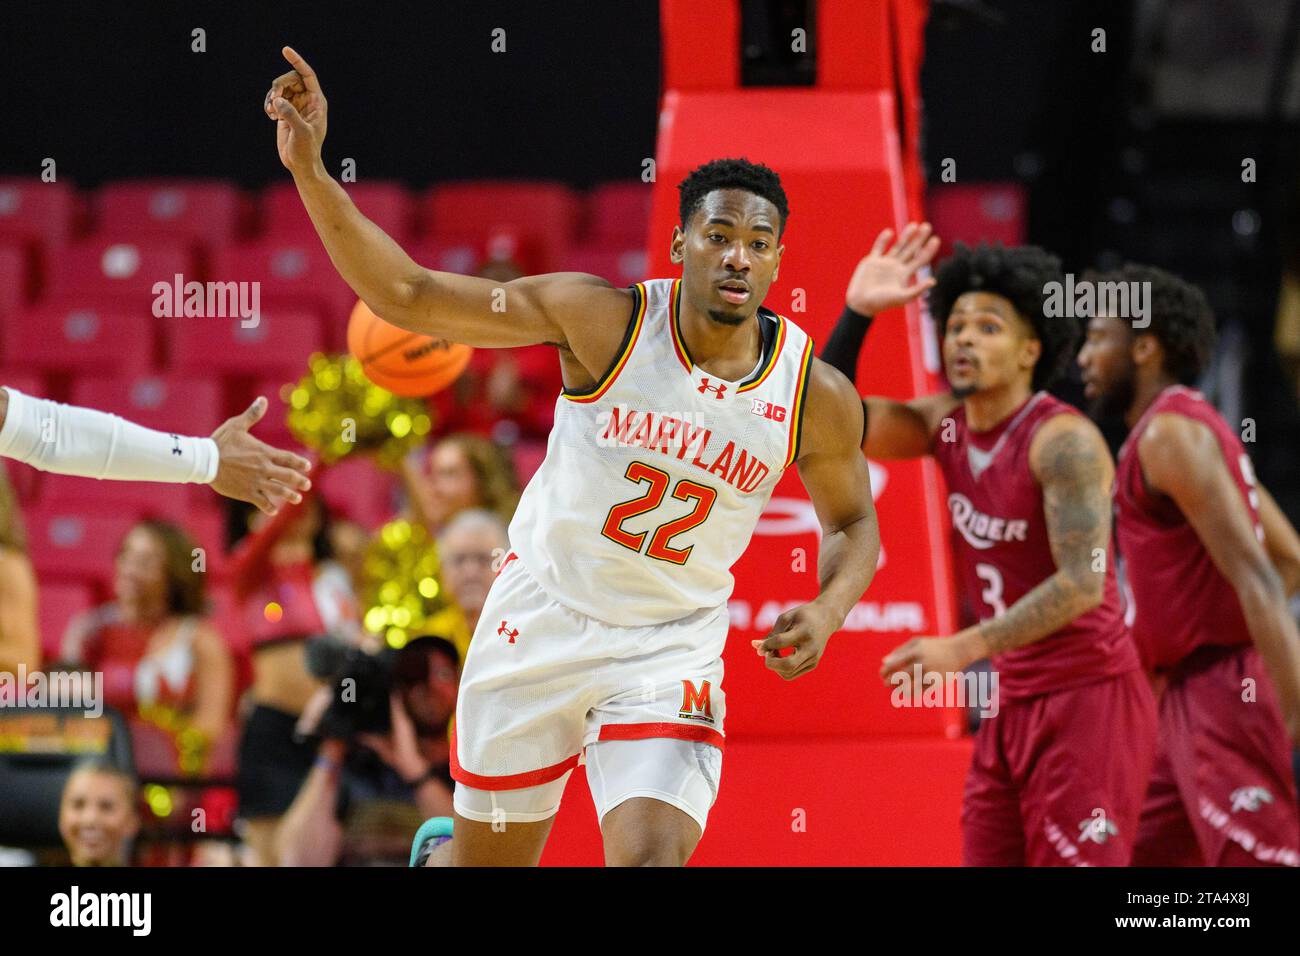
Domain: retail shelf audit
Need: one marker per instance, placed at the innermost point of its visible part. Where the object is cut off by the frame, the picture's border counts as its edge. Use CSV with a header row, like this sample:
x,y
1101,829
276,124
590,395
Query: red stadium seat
x,y
356,489
36,213
619,212
186,405
992,212
14,281
69,544
124,270
386,204
277,346
542,215
57,604
620,266
194,508
291,273
71,337
202,212
462,256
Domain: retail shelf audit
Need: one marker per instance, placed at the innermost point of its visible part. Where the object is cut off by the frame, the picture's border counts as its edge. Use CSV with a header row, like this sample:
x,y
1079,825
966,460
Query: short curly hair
x,y
1019,274
731,174
1181,318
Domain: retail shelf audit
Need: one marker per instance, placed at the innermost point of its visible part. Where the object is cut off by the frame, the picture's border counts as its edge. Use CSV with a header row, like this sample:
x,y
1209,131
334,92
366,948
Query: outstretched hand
x,y
253,471
298,106
884,277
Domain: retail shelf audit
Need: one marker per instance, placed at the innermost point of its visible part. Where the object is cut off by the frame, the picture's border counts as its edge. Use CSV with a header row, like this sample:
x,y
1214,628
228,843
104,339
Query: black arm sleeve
x,y
845,342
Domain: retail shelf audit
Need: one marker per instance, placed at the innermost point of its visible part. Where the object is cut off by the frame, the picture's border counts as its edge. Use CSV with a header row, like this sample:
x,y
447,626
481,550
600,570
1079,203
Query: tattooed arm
x,y
1069,459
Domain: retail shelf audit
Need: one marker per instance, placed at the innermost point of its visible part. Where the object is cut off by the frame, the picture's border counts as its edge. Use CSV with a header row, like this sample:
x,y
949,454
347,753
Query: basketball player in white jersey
x,y
683,402
71,440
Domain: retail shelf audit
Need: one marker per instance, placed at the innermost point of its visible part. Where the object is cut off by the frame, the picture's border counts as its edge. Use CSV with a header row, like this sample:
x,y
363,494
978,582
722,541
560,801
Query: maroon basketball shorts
x,y
1221,793
1058,779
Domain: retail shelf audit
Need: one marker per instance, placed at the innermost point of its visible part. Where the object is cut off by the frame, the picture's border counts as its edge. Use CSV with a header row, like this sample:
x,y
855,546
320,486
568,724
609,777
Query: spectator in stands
x,y
98,817
465,471
162,662
287,590
364,798
20,642
471,550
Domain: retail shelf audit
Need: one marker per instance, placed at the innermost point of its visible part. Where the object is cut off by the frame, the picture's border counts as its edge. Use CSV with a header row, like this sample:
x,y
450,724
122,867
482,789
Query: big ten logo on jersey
x,y
695,702
767,410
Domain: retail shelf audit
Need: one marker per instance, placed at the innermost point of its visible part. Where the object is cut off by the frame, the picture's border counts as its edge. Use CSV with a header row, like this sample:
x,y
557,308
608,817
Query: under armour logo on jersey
x,y
717,390
1250,798
505,630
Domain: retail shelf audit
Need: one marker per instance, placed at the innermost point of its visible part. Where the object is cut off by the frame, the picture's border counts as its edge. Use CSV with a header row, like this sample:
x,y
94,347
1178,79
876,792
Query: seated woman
x,y
162,662
464,471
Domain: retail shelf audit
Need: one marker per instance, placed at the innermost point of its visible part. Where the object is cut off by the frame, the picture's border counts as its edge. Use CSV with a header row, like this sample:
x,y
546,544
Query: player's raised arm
x,y
886,278
571,310
838,481
1181,458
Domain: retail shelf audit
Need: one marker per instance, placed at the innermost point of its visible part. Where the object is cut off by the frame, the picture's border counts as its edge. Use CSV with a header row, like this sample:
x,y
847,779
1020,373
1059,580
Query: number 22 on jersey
x,y
658,482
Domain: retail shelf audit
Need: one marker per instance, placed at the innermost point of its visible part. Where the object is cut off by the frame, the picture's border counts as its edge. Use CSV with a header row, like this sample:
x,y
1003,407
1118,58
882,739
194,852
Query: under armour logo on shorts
x,y
505,630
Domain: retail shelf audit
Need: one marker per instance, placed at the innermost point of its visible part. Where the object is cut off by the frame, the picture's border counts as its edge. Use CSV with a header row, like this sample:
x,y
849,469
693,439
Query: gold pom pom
x,y
337,411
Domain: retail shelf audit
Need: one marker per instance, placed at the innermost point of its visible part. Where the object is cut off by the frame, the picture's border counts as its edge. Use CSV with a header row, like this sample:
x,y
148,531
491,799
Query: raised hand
x,y
884,277
253,471
298,106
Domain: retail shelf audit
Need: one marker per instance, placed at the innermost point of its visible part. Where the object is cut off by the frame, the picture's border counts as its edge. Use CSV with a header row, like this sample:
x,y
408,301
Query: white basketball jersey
x,y
655,477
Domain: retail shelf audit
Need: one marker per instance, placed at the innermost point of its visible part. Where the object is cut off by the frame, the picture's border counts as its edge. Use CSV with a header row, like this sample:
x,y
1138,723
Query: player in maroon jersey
x,y
1059,773
1209,611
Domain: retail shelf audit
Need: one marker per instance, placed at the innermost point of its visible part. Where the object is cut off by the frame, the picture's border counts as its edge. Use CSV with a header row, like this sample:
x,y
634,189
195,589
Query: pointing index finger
x,y
306,72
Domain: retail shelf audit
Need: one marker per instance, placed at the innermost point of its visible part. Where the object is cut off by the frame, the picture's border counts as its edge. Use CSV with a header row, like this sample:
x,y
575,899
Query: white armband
x,y
68,440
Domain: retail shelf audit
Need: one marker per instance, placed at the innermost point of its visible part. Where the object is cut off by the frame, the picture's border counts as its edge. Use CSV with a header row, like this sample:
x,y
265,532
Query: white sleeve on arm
x,y
69,440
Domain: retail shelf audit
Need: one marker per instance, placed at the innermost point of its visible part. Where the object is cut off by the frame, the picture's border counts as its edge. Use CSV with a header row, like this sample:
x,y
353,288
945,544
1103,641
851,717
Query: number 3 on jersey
x,y
992,594
684,490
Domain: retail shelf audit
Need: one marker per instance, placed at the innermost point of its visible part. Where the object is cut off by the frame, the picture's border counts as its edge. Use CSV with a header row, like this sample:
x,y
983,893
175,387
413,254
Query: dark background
x,y
112,90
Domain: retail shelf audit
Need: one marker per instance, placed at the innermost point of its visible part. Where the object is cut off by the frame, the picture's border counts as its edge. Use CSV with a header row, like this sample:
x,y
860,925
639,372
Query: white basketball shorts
x,y
543,684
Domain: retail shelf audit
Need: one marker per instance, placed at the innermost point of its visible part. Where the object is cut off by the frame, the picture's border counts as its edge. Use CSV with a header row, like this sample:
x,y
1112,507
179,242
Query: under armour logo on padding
x,y
505,630
717,390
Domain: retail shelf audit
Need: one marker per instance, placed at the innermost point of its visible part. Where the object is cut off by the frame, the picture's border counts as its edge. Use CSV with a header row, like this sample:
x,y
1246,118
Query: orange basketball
x,y
405,363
